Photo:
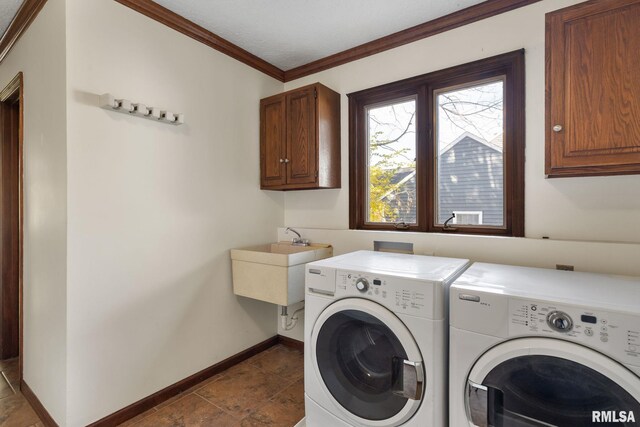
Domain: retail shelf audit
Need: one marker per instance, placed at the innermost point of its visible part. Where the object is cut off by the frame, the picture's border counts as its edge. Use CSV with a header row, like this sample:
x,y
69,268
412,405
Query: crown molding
x,y
457,19
30,9
25,16
173,20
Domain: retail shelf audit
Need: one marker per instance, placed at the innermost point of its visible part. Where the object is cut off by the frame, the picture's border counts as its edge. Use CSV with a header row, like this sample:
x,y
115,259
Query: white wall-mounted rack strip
x,y
109,102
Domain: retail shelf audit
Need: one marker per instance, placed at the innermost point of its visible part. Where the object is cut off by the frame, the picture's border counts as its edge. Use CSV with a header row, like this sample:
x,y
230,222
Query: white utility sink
x,y
274,272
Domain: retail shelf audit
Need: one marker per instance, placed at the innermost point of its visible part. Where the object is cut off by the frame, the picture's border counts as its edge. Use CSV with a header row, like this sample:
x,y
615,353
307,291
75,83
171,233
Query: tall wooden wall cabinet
x,y
300,139
593,89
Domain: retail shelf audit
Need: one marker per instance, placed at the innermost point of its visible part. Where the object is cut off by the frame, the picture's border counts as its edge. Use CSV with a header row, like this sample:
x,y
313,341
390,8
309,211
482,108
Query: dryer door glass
x,y
540,390
361,363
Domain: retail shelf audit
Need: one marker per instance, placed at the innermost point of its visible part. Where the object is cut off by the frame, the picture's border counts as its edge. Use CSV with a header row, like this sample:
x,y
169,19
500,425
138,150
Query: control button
x,y
633,348
362,285
559,321
604,329
466,297
604,338
534,307
588,332
603,321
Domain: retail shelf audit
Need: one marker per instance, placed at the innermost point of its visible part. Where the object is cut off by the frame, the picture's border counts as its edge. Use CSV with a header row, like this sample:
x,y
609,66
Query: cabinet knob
x,y
286,160
281,160
557,128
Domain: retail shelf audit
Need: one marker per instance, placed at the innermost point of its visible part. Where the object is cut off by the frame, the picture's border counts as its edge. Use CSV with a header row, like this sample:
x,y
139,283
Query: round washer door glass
x,y
361,363
549,390
534,390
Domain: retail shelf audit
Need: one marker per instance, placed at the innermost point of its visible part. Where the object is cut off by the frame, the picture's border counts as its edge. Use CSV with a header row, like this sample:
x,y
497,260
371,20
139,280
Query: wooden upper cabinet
x,y
300,139
593,89
272,141
301,136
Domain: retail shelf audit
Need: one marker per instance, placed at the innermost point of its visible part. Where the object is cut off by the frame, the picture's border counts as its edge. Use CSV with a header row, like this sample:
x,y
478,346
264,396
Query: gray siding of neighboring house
x,y
471,180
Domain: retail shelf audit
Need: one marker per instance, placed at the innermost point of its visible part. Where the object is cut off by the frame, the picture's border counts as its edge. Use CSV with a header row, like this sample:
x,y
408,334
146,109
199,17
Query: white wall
x,y
154,209
40,55
574,212
591,209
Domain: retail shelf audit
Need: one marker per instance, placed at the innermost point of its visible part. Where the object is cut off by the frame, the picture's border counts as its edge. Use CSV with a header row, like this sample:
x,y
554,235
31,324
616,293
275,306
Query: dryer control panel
x,y
613,333
400,295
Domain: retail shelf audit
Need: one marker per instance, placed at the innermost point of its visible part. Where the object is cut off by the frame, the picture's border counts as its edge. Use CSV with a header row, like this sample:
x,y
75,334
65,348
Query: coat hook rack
x,y
109,102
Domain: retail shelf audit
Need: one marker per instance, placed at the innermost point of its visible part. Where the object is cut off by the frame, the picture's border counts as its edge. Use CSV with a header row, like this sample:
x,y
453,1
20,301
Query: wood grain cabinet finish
x,y
273,131
300,139
593,89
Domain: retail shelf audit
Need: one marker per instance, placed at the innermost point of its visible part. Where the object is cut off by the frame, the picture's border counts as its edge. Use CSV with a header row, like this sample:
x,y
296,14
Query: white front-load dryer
x,y
537,347
375,339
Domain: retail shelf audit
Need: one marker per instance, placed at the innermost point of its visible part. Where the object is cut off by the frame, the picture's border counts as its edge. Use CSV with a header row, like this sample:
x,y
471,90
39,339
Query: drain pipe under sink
x,y
287,324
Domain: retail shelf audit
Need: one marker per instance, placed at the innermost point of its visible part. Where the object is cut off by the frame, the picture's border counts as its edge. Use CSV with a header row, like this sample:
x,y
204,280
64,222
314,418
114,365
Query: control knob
x,y
362,285
559,321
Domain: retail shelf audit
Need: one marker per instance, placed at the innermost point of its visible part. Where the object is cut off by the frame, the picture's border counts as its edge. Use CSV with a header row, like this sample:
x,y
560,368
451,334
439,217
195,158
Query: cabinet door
x,y
272,142
301,137
593,89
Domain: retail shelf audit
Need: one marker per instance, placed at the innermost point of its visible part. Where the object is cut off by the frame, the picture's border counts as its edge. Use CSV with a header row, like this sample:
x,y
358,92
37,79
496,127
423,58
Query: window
x,y
441,152
391,194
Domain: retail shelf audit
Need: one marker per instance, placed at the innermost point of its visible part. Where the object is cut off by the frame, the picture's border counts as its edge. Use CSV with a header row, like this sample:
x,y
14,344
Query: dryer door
x,y
549,382
368,363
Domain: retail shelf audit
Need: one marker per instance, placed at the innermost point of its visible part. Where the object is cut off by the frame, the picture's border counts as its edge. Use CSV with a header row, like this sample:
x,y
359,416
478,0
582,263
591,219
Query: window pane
x,y
391,180
470,176
467,218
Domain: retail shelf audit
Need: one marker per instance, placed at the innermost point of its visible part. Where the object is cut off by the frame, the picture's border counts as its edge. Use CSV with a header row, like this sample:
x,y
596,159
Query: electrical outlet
x,y
564,267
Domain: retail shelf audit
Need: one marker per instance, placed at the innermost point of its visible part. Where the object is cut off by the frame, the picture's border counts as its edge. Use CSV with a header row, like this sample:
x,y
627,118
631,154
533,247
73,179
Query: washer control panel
x,y
613,333
559,321
362,285
401,295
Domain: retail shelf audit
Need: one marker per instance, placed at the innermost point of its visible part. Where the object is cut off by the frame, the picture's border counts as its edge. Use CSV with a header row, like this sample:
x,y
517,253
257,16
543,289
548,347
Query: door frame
x,y
14,92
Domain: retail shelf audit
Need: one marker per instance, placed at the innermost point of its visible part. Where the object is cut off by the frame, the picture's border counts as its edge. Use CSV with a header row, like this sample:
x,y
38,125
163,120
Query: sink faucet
x,y
297,241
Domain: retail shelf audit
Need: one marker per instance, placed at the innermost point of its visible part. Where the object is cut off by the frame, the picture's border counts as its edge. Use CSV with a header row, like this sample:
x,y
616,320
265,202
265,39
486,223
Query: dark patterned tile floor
x,y
15,411
265,390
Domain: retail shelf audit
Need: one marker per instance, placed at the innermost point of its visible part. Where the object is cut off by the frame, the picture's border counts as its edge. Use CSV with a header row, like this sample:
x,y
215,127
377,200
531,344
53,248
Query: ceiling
x,y
8,9
290,33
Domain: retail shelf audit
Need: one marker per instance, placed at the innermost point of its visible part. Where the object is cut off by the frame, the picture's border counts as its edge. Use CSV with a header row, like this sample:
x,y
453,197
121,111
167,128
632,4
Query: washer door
x,y
549,382
368,362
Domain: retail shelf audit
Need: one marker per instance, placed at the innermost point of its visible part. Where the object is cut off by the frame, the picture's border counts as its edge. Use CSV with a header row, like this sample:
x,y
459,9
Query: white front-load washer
x,y
375,339
538,347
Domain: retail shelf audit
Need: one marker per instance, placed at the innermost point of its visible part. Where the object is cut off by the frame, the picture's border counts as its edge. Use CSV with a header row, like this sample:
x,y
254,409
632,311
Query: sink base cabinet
x,y
300,139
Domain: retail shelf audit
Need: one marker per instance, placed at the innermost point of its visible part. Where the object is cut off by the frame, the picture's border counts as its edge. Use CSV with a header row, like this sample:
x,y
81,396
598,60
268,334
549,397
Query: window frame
x,y
423,88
